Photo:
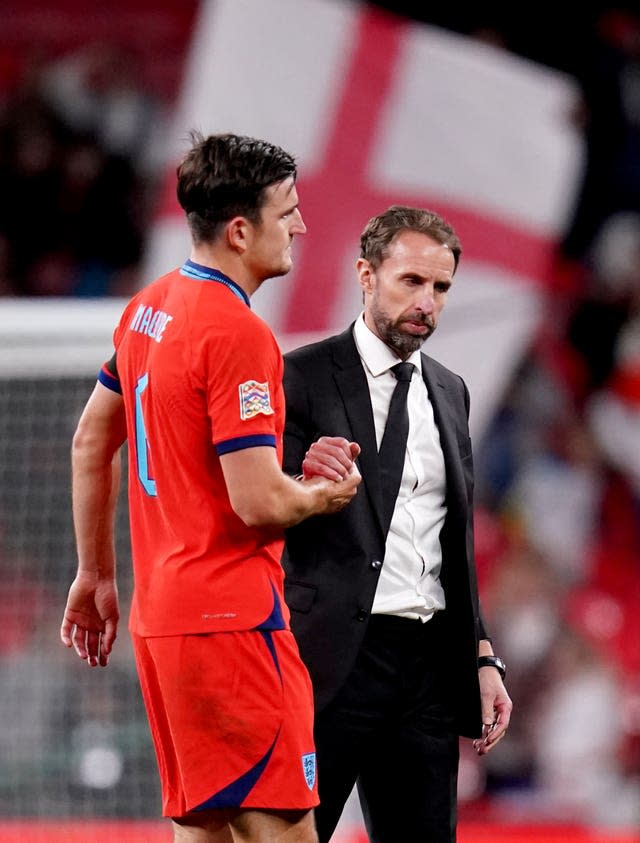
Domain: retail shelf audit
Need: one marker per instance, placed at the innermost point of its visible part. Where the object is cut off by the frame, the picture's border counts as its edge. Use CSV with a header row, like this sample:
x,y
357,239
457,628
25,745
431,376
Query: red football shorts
x,y
231,716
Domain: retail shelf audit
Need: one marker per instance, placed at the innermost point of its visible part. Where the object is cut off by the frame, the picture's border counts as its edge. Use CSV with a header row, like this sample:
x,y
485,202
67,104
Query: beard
x,y
395,336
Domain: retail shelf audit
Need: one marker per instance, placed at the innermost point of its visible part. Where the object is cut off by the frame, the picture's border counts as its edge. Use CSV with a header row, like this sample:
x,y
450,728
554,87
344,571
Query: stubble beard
x,y
284,269
391,333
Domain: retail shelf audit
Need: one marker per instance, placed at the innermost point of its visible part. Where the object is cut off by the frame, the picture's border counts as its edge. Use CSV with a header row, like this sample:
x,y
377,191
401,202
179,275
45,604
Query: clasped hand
x,y
332,457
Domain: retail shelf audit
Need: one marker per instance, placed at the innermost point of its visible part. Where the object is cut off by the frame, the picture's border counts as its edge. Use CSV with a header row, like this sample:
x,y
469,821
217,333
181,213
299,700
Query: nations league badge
x,y
309,769
254,399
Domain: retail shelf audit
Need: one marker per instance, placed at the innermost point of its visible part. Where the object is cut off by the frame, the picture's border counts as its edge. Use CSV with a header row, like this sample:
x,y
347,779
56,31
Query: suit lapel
x,y
351,382
446,420
354,390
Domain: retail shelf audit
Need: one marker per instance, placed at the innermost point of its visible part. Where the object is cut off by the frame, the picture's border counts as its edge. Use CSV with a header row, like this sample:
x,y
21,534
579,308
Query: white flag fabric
x,y
380,110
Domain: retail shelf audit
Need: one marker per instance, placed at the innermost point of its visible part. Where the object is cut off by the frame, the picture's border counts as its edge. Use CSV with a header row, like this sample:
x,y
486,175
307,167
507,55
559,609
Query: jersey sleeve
x,y
244,390
108,375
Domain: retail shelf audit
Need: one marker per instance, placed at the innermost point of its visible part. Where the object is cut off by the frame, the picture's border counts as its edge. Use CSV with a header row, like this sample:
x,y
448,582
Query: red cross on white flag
x,y
379,110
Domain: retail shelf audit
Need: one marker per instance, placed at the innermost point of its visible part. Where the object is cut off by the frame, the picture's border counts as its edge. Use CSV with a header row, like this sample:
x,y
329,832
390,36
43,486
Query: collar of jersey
x,y
205,273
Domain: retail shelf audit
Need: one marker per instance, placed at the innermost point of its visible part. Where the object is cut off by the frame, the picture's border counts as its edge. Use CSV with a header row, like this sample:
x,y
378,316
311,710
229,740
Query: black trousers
x,y
389,730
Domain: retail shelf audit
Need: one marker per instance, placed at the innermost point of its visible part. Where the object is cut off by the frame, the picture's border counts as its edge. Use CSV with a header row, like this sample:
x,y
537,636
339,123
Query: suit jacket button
x,y
362,615
376,564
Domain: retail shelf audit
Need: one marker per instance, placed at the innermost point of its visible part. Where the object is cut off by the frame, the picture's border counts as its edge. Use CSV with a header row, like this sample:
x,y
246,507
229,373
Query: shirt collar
x,y
376,355
197,271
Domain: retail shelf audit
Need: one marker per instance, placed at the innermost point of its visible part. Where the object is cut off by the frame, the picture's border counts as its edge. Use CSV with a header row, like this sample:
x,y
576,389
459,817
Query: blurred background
x,y
521,127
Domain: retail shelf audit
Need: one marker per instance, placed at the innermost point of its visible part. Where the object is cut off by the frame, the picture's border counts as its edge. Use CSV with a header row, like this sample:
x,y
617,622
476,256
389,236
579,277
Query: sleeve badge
x,y
254,399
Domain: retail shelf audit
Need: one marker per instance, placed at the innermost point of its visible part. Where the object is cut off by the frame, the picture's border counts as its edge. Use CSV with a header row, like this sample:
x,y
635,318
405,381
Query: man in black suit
x,y
383,595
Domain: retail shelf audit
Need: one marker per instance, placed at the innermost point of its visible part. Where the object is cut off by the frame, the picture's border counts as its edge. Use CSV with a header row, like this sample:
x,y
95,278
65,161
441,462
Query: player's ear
x,y
237,233
365,275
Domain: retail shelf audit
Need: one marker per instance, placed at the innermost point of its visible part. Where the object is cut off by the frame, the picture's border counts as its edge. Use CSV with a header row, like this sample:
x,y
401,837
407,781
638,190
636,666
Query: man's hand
x,y
338,493
90,621
332,457
496,710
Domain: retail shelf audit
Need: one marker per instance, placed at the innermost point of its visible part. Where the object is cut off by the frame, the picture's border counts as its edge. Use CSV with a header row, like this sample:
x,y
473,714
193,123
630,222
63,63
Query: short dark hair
x,y
224,176
383,228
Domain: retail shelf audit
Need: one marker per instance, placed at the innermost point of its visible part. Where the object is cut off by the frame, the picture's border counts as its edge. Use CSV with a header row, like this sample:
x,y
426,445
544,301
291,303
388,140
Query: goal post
x,y
58,337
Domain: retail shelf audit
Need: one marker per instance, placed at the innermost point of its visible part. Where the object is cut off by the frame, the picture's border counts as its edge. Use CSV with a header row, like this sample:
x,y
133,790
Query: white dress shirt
x,y
409,583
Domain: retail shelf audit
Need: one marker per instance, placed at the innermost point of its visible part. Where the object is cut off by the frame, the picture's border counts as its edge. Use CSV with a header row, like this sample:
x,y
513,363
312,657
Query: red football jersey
x,y
201,375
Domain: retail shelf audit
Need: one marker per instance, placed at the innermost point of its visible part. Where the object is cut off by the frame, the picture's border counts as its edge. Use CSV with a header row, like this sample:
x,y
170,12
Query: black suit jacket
x,y
333,563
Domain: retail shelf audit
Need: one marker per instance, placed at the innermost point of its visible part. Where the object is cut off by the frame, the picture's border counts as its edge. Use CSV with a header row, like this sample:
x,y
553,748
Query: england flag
x,y
379,110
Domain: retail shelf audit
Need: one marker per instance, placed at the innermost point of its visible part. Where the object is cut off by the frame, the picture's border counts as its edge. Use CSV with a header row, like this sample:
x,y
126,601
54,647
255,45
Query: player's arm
x,y
91,615
262,495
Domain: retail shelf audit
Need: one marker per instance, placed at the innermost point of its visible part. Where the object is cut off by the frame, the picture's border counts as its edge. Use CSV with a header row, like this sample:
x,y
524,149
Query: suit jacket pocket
x,y
299,596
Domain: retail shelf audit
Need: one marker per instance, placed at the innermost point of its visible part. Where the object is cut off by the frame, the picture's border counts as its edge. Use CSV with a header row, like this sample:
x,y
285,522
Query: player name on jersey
x,y
151,322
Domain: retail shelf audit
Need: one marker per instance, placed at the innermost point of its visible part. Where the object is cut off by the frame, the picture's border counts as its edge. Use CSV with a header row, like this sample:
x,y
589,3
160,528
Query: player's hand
x,y
332,457
90,621
341,492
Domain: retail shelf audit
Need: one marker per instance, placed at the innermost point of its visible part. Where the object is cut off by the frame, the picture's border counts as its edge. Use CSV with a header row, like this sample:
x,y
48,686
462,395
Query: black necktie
x,y
394,441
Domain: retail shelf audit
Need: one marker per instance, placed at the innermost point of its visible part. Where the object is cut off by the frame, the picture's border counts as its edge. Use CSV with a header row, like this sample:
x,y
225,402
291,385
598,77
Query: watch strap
x,y
493,661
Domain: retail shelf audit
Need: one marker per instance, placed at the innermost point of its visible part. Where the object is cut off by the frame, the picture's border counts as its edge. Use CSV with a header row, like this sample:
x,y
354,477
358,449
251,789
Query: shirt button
x,y
362,615
376,564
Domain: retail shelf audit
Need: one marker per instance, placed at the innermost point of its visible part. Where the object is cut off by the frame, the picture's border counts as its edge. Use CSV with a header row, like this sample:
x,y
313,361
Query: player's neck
x,y
227,262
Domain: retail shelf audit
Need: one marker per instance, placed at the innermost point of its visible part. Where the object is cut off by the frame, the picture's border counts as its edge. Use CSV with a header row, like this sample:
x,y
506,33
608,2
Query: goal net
x,y
74,741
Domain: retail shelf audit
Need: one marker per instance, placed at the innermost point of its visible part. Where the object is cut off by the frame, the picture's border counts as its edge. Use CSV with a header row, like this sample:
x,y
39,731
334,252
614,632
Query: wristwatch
x,y
493,661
